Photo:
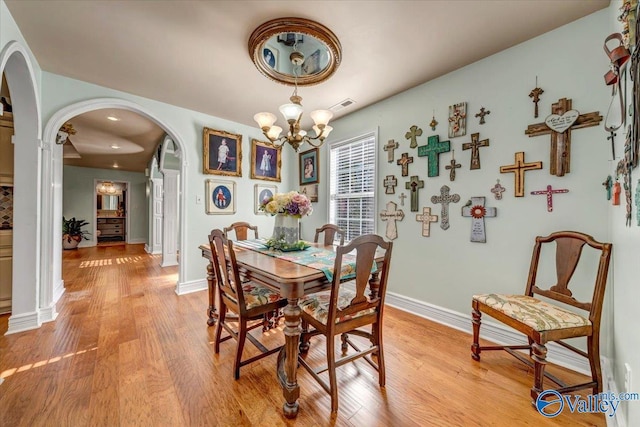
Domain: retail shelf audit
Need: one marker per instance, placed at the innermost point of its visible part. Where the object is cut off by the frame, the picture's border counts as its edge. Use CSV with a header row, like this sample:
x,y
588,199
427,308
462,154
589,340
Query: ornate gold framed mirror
x,y
282,46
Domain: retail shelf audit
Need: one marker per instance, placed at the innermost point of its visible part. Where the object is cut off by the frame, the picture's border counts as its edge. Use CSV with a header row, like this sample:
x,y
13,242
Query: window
x,y
352,186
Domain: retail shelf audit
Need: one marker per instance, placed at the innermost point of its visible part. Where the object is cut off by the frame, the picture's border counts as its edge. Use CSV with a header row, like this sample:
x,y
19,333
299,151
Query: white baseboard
x,y
48,314
58,291
191,286
610,385
23,322
148,250
490,331
137,241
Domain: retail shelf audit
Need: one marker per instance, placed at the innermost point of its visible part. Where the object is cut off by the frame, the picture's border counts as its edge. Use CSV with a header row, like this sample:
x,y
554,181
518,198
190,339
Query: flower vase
x,y
286,228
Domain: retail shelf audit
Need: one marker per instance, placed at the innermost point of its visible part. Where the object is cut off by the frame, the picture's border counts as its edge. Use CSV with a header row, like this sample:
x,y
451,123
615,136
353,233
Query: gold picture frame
x,y
266,161
222,152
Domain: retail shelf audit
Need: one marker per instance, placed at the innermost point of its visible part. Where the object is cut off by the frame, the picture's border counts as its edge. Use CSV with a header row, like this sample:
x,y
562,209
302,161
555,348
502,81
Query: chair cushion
x,y
317,305
256,295
535,313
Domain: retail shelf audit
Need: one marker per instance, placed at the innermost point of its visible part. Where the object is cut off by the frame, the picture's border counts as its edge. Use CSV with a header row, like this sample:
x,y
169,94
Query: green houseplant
x,y
72,232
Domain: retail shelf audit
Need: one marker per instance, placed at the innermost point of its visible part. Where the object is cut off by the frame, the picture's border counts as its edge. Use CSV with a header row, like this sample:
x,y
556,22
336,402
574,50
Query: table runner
x,y
318,258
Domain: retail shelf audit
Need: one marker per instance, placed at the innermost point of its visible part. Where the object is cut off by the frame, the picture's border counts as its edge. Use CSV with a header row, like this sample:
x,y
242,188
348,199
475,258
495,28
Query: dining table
x,y
293,280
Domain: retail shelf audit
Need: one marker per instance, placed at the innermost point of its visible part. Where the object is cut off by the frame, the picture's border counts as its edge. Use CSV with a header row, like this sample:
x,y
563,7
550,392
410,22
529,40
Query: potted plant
x,y
72,232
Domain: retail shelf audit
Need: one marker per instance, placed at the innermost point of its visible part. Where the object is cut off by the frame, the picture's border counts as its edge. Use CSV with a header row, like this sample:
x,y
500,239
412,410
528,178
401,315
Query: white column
x,y
155,224
170,218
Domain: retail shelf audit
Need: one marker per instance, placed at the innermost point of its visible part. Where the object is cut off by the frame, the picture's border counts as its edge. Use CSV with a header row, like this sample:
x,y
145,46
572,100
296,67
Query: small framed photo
x,y
311,191
262,192
270,55
311,65
266,161
309,167
222,153
221,197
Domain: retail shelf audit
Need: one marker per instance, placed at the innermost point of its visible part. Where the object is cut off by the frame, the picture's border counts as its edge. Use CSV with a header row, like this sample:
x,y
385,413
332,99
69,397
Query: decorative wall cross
x,y
497,190
432,150
445,198
608,183
477,211
452,166
518,169
391,215
414,185
482,113
457,120
390,148
402,196
426,219
549,192
535,95
434,122
475,145
616,194
414,131
389,184
559,125
404,161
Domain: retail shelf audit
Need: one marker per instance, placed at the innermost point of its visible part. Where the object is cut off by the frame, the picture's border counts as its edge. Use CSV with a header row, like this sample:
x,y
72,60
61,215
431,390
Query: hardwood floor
x,y
125,350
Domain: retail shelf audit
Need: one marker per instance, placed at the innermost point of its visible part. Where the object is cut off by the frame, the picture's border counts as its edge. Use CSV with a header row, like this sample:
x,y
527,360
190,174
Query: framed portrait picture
x,y
266,161
222,153
262,192
309,167
270,55
221,197
311,191
311,65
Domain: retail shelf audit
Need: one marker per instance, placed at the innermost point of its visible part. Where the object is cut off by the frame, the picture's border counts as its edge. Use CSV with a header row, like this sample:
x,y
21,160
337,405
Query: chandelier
x,y
292,113
108,188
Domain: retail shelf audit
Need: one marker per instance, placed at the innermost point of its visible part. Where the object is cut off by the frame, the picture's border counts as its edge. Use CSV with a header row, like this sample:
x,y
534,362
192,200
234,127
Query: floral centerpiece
x,y
288,208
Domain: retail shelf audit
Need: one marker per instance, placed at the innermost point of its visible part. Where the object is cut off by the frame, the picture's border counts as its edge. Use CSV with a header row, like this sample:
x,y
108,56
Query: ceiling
x,y
194,54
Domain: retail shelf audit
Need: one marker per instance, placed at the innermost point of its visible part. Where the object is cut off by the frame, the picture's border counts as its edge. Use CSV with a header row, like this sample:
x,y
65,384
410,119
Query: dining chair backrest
x,y
226,270
330,232
241,229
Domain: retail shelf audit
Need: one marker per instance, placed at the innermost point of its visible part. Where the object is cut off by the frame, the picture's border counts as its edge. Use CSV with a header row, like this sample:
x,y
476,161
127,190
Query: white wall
x,y
58,92
9,31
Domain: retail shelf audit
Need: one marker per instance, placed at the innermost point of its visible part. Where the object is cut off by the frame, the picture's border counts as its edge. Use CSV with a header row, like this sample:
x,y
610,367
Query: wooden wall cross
x,y
549,192
414,131
414,184
562,120
452,166
477,211
432,150
475,145
497,190
535,95
402,196
445,198
426,219
391,215
389,184
404,161
483,112
390,148
457,119
519,168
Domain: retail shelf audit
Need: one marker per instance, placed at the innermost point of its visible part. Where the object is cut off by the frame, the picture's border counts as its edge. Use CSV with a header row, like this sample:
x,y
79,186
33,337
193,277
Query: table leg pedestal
x,y
288,359
211,312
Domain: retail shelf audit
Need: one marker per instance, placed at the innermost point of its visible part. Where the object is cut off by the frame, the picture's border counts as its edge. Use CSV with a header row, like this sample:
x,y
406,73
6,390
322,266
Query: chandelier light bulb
x,y
265,120
274,132
321,117
291,111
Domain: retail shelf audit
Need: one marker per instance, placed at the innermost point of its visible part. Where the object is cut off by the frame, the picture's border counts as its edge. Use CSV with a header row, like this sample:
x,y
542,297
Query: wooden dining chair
x,y
241,229
248,300
345,308
544,321
330,232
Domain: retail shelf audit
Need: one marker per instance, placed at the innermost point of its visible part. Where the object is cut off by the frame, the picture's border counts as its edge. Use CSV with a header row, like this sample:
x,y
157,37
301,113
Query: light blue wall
x,y
79,190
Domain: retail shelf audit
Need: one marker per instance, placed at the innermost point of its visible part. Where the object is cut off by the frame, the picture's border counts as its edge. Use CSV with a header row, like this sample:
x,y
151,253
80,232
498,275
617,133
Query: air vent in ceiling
x,y
342,105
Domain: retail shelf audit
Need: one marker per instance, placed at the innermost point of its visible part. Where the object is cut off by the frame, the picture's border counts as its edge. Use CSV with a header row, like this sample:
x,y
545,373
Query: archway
x,y
16,65
52,218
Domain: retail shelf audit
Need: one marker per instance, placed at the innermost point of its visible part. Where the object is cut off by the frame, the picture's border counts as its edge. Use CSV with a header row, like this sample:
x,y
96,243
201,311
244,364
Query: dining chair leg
x,y
345,346
242,335
333,386
222,314
476,322
381,369
593,351
539,361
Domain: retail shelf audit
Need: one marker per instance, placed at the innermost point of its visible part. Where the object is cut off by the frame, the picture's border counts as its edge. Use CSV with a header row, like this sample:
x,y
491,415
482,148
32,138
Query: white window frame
x,y
332,197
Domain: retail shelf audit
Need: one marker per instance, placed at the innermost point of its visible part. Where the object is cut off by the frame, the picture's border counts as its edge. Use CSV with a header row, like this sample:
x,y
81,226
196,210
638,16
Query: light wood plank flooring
x,y
127,351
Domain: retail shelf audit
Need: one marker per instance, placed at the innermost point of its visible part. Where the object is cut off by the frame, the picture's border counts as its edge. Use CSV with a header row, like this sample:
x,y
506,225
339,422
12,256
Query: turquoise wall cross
x,y
432,151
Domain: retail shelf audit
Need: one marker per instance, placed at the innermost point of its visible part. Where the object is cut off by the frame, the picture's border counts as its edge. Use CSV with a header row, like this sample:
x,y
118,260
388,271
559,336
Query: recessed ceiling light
x,y
113,118
115,146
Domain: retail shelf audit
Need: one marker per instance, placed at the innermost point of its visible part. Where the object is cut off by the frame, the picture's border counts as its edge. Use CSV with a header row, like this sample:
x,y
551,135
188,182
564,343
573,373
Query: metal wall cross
x,y
518,169
414,131
390,148
549,192
404,161
452,166
497,190
426,219
561,141
535,95
414,185
389,184
608,183
432,150
391,215
475,145
445,198
483,112
477,211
